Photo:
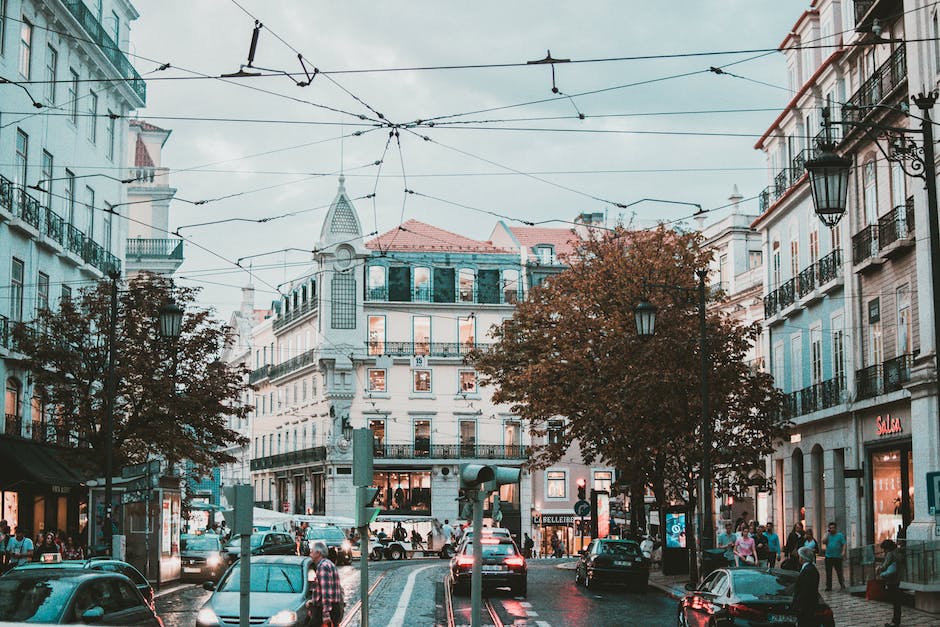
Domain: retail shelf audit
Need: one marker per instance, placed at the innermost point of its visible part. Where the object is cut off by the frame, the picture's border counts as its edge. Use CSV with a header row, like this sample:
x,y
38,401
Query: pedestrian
x,y
773,545
745,551
416,540
447,532
327,603
760,544
20,548
555,546
888,573
726,541
527,546
72,551
835,553
810,540
400,534
431,539
794,540
806,590
47,547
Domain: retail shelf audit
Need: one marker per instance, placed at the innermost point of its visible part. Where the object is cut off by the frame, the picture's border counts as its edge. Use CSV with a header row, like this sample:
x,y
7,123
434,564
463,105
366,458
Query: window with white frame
x,y
796,362
875,339
468,381
838,350
52,63
92,117
905,324
556,484
422,381
510,286
26,47
466,332
376,335
422,284
813,245
421,334
377,380
870,197
73,96
377,286
555,431
466,282
816,356
603,480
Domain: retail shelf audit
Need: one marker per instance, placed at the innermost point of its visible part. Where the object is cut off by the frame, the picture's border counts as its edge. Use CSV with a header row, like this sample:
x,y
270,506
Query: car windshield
x,y
256,540
200,543
284,578
34,599
755,584
622,549
325,533
492,549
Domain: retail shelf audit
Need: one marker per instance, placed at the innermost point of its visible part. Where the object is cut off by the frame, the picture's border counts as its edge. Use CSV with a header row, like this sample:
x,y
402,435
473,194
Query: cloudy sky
x,y
502,141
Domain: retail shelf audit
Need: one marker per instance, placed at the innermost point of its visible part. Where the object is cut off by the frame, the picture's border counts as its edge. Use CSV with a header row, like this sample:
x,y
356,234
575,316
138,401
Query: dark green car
x,y
613,561
263,543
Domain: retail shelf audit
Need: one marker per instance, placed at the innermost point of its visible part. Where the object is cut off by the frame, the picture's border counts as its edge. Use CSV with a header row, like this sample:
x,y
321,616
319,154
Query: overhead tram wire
x,y
404,197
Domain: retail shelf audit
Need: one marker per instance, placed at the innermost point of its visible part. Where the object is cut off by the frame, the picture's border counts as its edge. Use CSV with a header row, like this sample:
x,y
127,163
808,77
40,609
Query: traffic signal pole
x,y
365,513
476,575
364,575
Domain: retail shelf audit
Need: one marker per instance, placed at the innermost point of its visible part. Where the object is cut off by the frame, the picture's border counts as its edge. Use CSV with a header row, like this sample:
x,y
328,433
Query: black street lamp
x,y
171,320
829,179
645,314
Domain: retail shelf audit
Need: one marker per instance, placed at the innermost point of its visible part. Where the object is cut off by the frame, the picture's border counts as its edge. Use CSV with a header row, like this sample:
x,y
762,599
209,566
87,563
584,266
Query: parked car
x,y
72,595
613,561
503,566
280,587
263,543
335,539
201,557
745,596
104,564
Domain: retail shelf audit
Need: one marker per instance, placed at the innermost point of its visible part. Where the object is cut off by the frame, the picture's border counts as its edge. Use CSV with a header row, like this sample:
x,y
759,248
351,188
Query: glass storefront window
x,y
892,509
403,492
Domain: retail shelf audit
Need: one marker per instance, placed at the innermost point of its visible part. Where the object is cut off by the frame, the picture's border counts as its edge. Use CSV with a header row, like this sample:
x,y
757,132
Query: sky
x,y
502,142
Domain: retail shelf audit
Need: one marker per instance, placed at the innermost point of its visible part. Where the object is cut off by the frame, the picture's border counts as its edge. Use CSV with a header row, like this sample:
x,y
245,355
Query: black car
x,y
336,542
263,543
745,597
201,558
280,588
71,595
613,561
503,566
104,564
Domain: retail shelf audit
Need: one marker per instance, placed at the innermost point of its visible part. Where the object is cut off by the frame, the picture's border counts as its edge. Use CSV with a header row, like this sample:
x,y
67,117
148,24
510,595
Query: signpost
x,y
241,499
581,509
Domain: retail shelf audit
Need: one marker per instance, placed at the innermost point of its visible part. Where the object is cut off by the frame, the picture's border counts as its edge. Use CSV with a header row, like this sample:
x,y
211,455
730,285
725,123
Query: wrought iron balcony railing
x,y
450,451
815,397
807,280
865,244
294,363
259,374
868,382
830,266
295,313
815,275
876,88
293,458
888,376
431,349
897,224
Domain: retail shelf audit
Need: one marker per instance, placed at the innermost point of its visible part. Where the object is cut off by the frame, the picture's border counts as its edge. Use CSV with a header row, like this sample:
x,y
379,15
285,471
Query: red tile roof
x,y
142,157
146,126
563,240
417,237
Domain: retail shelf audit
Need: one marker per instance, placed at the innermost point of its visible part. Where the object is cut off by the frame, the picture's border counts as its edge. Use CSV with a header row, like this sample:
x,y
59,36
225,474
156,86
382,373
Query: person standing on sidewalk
x,y
327,602
806,590
888,573
835,553
773,545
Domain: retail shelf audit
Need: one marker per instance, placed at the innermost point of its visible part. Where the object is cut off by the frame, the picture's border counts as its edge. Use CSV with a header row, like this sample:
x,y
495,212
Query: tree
x,y
172,398
571,349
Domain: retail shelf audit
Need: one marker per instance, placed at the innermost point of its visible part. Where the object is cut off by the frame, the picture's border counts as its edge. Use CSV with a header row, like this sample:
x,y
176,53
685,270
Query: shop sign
x,y
60,489
557,519
886,425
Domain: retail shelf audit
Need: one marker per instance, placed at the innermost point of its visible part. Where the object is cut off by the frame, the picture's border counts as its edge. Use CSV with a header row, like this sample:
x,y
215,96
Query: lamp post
x,y
645,315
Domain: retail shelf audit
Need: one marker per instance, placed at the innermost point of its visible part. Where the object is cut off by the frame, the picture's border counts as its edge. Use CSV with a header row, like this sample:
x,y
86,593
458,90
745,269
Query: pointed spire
x,y
342,184
735,199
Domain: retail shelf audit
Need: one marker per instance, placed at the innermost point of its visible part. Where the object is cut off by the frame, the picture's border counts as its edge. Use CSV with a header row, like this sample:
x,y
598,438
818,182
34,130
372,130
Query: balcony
x,y
293,458
896,229
108,47
294,314
785,179
816,397
294,363
6,333
259,374
450,451
830,267
888,376
865,247
882,83
140,249
424,294
430,349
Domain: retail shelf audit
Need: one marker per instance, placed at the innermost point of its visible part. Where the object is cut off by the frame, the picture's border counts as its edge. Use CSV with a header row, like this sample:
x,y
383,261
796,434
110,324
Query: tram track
x,y
353,611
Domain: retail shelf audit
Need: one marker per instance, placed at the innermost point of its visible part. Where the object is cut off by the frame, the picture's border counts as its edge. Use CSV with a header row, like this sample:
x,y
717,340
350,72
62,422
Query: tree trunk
x,y
638,509
691,540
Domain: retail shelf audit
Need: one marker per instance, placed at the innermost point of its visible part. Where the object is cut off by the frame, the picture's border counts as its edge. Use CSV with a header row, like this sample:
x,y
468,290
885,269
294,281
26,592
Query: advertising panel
x,y
675,530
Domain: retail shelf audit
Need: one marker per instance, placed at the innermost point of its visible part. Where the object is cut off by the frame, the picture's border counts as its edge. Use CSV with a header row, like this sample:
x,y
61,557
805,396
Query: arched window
x,y
11,405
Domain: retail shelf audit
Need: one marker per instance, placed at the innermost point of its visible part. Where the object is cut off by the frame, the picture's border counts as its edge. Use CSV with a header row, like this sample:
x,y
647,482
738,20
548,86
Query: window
x,y
468,381
556,484
303,390
89,224
815,347
775,263
794,256
377,380
544,254
376,335
835,238
378,437
42,292
377,287
871,193
422,284
466,332
875,340
92,117
45,177
723,274
936,43
421,334
510,286
52,63
422,381
26,43
116,29
555,431
905,329
11,402
422,437
468,437
3,26
20,160
73,97
106,222
466,280
344,301
66,293
512,436
603,480
813,246
69,201
16,290
109,138
796,362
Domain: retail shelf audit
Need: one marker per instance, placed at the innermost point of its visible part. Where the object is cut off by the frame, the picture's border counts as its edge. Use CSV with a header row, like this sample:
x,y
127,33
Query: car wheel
x,y
396,553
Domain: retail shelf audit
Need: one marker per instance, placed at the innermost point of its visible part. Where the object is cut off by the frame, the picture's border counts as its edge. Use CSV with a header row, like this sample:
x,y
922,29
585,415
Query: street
x,y
413,593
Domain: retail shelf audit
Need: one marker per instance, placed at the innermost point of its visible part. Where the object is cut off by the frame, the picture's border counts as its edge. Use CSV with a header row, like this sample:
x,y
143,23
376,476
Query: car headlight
x,y
214,560
207,617
284,617
346,546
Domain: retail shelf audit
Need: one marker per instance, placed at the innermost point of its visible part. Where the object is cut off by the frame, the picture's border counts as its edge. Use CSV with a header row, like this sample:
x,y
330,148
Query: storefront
x,y
557,525
406,492
891,472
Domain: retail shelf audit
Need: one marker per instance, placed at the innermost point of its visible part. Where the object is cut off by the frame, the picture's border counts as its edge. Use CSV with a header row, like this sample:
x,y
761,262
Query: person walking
x,y
773,545
806,590
48,546
327,603
810,540
20,548
726,541
72,551
794,540
834,542
527,545
447,532
760,543
745,551
888,573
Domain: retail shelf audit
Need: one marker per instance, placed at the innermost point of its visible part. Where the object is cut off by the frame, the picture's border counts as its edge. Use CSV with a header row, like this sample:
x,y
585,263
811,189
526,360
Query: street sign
x,y
582,509
135,470
136,496
142,483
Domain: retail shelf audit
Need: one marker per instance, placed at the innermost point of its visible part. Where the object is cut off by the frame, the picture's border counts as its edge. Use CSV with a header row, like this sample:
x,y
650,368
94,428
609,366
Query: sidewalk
x,y
849,610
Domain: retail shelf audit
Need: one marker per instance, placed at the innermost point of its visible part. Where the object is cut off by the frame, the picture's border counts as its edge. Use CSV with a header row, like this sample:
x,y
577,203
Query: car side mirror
x,y
93,614
208,585
691,587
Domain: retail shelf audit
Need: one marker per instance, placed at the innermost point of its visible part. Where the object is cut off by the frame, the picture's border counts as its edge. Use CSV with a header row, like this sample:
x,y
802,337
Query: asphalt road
x,y
412,593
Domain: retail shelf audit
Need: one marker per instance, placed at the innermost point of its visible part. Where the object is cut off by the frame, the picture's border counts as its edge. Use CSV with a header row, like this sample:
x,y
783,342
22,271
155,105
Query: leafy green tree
x,y
173,397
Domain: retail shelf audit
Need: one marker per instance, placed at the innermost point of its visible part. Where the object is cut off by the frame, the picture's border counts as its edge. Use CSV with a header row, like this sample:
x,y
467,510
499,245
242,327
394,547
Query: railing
x,y
108,47
897,372
54,226
807,280
427,295
294,314
771,306
864,562
306,456
258,374
897,224
451,451
830,266
919,562
12,425
886,78
786,293
865,244
377,293
155,248
868,382
815,397
431,349
294,363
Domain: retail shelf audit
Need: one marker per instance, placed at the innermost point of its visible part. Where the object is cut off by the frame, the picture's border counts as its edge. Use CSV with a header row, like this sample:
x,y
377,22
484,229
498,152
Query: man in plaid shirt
x,y
327,603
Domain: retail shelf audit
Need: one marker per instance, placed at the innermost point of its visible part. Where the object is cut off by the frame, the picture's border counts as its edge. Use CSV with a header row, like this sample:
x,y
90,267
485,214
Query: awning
x,y
35,465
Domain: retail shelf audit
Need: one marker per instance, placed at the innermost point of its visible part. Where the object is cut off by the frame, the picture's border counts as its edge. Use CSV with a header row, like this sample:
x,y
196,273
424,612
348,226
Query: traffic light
x,y
365,512
472,475
501,476
241,499
363,449
582,487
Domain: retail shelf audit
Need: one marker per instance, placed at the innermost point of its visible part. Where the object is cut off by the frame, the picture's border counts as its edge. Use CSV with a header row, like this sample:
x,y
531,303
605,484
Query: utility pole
x,y
365,512
110,391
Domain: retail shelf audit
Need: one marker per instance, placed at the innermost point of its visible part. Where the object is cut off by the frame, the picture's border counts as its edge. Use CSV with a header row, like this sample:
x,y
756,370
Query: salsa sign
x,y
886,425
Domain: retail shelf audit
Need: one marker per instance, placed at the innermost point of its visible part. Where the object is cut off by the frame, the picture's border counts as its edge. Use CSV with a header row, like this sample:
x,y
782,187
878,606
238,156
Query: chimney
x,y
248,301
586,220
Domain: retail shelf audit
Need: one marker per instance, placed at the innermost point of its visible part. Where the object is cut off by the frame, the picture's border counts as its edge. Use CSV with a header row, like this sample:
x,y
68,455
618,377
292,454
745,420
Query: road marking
x,y
525,604
398,620
542,623
531,613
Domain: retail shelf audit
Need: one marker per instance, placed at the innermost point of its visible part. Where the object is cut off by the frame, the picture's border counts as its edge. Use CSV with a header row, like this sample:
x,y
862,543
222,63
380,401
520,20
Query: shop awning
x,y
34,464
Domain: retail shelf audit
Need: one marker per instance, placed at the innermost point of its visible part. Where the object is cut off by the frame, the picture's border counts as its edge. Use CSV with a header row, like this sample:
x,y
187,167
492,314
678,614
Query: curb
x,y
172,589
666,589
